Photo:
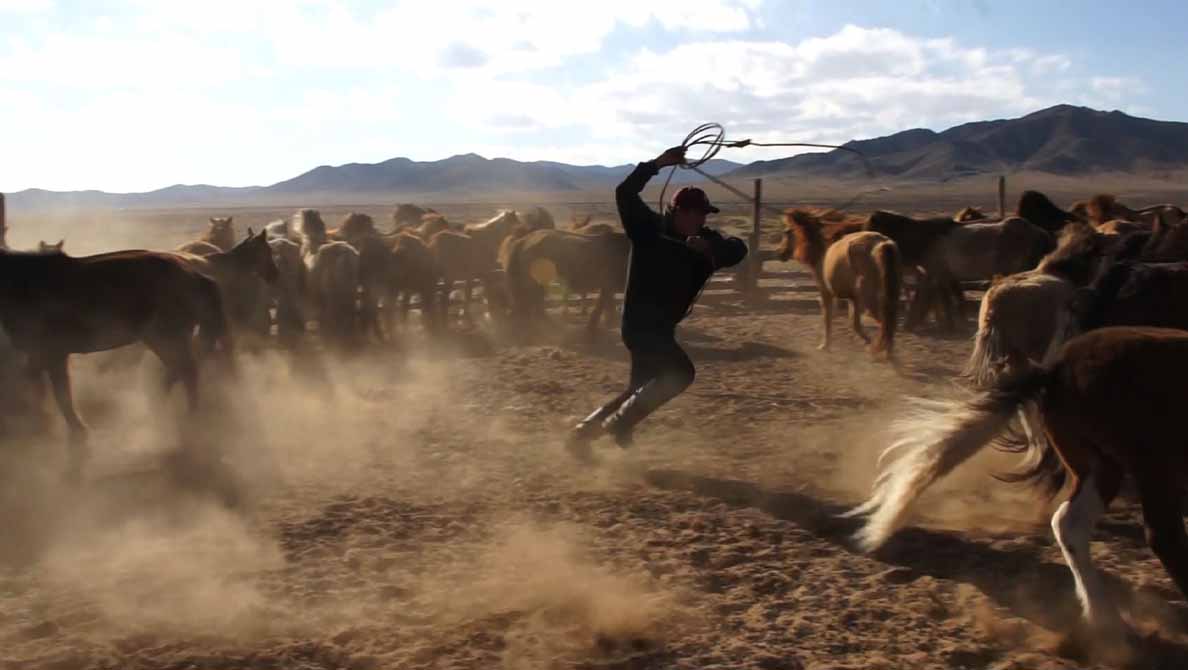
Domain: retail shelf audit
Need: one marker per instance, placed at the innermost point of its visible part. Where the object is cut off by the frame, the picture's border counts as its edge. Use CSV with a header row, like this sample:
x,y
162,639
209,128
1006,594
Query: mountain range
x,y
1063,140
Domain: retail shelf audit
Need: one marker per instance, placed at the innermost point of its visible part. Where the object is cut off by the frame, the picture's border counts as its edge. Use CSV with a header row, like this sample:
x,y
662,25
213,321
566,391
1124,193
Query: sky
x,y
134,95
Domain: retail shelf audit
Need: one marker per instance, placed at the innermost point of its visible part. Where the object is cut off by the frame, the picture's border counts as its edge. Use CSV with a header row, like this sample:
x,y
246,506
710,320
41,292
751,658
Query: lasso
x,y
713,137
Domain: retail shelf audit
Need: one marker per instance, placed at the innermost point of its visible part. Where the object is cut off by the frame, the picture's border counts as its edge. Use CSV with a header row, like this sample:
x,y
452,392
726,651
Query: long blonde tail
x,y
938,436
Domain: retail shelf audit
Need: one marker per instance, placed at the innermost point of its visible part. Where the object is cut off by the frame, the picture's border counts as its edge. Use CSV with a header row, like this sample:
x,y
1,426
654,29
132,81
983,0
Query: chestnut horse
x,y
862,267
1108,404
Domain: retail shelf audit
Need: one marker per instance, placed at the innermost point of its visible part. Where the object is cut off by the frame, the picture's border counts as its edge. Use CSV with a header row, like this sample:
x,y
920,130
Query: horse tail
x,y
939,436
886,257
213,325
990,345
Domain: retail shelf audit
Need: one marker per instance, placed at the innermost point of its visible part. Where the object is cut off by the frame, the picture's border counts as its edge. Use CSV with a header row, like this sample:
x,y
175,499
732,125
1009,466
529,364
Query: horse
x,y
221,234
537,218
3,225
281,230
431,224
353,226
862,267
1039,210
980,251
458,257
584,263
1021,313
1108,406
288,290
409,215
53,305
332,278
1104,207
412,271
48,248
245,276
914,238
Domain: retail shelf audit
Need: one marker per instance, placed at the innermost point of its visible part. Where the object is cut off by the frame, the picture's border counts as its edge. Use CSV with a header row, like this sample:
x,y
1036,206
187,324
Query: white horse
x,y
332,278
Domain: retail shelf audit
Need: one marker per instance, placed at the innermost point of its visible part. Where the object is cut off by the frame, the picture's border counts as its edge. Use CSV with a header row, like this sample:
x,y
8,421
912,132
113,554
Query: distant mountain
x,y
462,174
1064,140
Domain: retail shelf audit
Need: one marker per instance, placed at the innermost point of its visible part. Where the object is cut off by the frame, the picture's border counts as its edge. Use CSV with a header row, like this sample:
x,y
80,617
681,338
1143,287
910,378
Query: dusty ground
x,y
414,509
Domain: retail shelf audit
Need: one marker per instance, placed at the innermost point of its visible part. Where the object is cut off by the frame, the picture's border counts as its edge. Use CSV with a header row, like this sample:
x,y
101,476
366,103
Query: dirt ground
x,y
413,508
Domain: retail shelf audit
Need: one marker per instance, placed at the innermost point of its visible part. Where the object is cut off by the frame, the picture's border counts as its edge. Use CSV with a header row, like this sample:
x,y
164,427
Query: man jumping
x,y
672,256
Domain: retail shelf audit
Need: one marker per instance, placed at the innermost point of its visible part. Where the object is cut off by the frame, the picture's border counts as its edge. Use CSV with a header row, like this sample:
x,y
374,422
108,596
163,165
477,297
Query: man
x,y
672,256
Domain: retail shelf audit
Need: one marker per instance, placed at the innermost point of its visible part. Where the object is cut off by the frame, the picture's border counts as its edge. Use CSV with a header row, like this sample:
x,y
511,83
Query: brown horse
x,y
412,272
1021,313
459,257
862,267
1108,406
245,275
332,279
54,305
583,263
1104,207
221,234
915,238
409,215
1039,210
288,290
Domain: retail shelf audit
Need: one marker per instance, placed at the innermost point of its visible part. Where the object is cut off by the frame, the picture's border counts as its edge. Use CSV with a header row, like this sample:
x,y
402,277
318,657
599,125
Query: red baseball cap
x,y
691,197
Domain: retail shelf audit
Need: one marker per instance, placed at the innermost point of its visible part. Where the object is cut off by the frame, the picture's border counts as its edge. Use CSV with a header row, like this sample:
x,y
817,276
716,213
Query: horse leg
x,y
1165,528
827,316
178,358
1073,525
856,307
600,308
57,367
466,296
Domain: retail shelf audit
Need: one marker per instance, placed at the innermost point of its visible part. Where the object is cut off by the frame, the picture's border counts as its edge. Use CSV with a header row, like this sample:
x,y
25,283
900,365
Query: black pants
x,y
660,371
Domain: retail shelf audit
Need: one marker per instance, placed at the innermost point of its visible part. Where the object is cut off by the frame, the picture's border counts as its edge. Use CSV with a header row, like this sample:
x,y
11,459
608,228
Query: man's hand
x,y
673,156
700,245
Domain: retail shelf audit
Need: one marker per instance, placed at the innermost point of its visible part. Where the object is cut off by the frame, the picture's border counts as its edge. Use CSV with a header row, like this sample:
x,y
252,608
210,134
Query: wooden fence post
x,y
756,240
1001,197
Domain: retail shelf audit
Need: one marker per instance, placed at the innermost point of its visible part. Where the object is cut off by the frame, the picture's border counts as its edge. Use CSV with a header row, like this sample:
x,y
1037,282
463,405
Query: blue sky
x,y
134,95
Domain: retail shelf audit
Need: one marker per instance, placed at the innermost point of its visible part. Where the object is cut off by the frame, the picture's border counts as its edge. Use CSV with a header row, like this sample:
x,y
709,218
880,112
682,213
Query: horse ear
x,y
250,233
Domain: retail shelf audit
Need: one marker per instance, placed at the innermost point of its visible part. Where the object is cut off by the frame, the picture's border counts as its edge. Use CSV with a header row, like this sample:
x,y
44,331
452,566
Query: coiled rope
x,y
713,137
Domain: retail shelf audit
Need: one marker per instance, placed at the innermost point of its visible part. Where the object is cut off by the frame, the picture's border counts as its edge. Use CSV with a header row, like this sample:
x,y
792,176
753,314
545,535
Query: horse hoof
x,y
823,347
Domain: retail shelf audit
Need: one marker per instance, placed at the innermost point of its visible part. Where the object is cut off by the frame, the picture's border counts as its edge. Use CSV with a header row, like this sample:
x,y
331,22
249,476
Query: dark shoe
x,y
622,433
579,439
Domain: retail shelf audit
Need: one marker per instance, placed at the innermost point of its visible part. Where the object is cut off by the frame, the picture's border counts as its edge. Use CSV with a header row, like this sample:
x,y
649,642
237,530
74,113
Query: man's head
x,y
689,209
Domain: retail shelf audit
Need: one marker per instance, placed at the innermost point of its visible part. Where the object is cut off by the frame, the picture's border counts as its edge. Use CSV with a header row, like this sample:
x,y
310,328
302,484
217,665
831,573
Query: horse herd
x,y
1079,361
294,273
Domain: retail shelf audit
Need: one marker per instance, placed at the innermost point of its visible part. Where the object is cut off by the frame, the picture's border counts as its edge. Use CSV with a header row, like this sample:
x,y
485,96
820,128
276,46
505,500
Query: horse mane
x,y
810,242
1100,208
969,214
356,224
1038,209
1079,249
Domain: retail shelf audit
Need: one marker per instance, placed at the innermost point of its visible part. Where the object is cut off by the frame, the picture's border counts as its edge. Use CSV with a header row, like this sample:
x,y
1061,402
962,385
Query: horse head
x,y
254,255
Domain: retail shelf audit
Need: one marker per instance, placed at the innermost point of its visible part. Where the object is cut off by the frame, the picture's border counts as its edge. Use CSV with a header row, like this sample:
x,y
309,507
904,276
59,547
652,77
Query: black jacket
x,y
664,275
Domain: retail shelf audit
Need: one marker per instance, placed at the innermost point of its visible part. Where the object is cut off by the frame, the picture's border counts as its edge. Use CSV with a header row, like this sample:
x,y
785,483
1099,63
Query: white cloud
x,y
1116,88
246,93
25,6
856,83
